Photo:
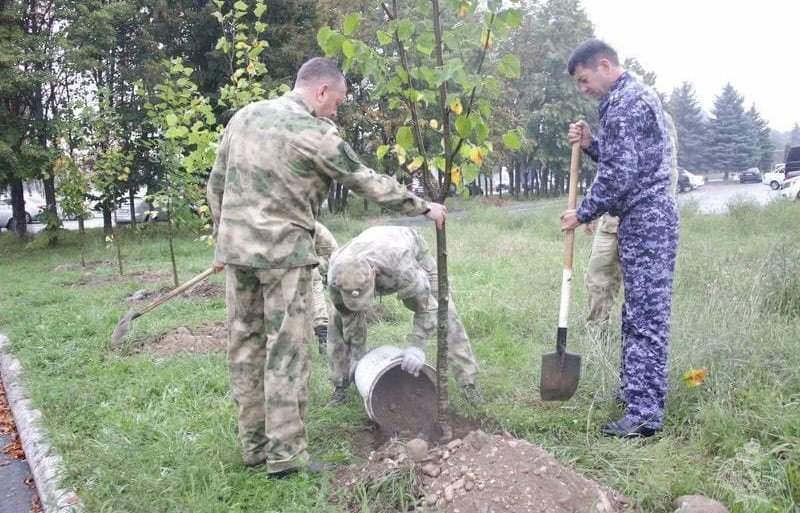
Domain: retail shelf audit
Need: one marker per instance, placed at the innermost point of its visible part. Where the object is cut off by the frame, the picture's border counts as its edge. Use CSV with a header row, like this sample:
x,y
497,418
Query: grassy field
x,y
145,433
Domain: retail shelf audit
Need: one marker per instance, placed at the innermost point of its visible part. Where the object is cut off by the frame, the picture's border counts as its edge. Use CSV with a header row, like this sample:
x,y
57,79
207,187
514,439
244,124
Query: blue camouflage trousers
x,y
269,361
648,239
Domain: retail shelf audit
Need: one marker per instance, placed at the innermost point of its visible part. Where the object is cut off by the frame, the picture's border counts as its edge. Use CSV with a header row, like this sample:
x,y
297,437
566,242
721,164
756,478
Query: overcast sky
x,y
753,45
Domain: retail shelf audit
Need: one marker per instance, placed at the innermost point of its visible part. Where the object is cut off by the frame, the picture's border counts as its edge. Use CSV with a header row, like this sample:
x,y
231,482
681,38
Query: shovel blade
x,y
560,375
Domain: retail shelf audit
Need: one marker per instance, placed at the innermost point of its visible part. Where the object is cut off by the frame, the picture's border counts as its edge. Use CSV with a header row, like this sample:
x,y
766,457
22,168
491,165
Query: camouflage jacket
x,y
632,150
273,168
403,265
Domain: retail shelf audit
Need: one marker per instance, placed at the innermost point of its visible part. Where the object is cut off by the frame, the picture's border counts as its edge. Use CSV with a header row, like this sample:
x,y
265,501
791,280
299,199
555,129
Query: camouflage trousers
x,y
320,304
347,344
603,272
269,321
648,242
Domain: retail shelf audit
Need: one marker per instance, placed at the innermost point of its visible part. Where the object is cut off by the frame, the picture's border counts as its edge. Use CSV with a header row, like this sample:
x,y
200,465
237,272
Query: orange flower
x,y
694,377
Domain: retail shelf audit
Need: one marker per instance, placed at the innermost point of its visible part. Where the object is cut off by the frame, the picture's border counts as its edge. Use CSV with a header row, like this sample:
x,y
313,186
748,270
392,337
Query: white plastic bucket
x,y
394,399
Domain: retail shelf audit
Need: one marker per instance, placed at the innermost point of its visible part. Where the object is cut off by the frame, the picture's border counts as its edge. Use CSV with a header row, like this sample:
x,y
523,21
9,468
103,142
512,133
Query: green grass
x,y
145,433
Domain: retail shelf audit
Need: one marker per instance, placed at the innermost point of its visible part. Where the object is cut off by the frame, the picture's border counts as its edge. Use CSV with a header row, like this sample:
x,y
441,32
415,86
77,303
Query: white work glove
x,y
413,360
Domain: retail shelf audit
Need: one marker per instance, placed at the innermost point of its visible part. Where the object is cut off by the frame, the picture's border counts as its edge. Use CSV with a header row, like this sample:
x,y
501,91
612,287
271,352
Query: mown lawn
x,y
145,433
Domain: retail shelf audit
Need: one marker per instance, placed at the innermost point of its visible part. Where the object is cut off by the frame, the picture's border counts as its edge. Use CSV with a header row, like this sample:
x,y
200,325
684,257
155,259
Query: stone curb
x,y
43,460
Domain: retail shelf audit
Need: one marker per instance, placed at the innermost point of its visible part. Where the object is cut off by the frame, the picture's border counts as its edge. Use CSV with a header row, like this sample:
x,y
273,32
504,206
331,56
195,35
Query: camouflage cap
x,y
355,279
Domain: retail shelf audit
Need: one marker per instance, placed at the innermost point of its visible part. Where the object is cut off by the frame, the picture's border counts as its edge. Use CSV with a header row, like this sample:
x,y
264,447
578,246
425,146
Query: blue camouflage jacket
x,y
632,150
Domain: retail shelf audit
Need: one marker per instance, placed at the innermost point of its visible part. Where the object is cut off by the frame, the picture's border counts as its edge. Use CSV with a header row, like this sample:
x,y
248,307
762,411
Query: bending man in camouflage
x,y
274,166
387,260
324,244
634,166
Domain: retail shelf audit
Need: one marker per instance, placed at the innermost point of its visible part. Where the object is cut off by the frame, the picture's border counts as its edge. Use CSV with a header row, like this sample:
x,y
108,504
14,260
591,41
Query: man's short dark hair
x,y
588,53
316,70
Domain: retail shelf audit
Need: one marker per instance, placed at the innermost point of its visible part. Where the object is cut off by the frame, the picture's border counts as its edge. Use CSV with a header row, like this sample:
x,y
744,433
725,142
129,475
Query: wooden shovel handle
x,y
572,199
178,290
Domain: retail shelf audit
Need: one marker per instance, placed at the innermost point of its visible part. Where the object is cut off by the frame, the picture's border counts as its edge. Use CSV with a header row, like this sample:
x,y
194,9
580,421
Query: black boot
x,y
338,397
624,428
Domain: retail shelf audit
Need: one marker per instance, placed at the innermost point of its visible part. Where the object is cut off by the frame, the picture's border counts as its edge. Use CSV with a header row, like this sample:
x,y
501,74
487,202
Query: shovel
x,y
562,370
125,323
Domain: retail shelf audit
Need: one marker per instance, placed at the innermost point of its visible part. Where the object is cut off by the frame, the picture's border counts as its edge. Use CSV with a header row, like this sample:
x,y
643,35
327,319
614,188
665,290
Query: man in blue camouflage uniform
x,y
604,270
273,168
634,158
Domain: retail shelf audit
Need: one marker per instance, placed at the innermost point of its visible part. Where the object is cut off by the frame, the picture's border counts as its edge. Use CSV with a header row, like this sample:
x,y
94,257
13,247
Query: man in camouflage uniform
x,y
604,270
385,260
274,165
634,160
324,244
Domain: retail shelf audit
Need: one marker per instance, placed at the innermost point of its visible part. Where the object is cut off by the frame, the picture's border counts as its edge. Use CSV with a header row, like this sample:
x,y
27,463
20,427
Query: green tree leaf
x,y
405,138
351,23
511,140
509,66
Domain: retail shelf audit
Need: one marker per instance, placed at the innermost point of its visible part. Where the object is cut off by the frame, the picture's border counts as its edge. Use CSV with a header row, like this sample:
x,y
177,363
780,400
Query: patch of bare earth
x,y
206,338
142,276
84,267
199,291
479,473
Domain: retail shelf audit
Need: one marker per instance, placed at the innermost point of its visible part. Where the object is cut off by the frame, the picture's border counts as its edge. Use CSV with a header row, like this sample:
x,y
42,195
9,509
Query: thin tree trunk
x,y
171,238
118,244
82,236
441,335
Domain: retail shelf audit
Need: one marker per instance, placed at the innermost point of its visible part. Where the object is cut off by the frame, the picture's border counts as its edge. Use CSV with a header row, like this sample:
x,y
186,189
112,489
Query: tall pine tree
x,y
761,140
692,125
731,131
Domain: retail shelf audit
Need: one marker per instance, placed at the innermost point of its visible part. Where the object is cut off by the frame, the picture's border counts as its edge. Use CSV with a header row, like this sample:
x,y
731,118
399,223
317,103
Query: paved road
x,y
15,494
95,222
714,197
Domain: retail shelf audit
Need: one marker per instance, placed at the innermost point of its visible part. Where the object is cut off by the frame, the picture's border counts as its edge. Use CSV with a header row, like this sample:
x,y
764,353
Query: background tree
x,y
73,189
108,46
730,132
692,126
24,154
185,143
761,142
549,97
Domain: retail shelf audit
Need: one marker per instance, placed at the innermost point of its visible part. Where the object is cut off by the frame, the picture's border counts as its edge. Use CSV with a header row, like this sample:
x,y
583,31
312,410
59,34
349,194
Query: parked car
x,y
750,175
792,166
33,207
502,187
688,181
774,178
145,212
791,188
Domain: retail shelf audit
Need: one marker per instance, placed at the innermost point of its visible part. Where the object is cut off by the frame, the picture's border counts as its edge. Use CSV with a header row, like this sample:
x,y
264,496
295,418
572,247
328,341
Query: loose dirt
x,y
141,276
479,473
202,339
